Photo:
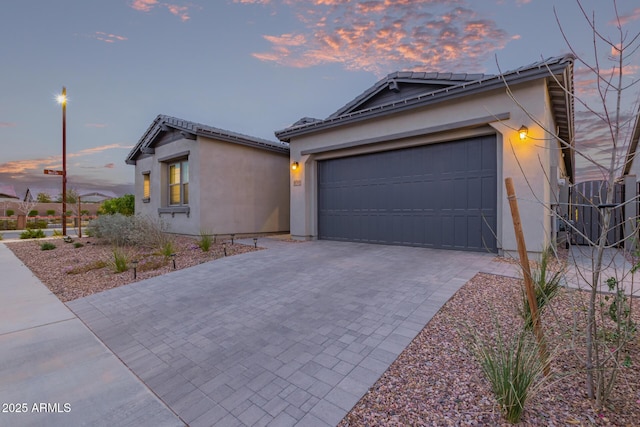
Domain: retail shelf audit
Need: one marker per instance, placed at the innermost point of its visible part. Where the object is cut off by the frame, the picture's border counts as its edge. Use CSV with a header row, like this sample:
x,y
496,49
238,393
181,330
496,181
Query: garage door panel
x,y
441,196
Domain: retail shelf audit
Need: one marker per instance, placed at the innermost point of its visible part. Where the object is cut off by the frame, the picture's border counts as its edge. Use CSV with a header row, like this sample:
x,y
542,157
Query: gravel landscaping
x,y
74,272
436,380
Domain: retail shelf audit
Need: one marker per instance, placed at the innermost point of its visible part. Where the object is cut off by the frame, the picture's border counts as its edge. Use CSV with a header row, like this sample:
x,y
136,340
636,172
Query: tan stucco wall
x,y
517,159
244,189
232,188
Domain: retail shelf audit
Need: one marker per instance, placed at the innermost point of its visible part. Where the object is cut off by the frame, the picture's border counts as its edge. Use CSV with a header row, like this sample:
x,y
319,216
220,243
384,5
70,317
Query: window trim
x,y
181,183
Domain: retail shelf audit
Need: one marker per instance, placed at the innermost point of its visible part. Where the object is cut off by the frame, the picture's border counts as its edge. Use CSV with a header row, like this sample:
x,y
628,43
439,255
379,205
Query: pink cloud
x,y
109,38
7,125
95,125
385,35
144,5
180,11
51,162
627,17
110,166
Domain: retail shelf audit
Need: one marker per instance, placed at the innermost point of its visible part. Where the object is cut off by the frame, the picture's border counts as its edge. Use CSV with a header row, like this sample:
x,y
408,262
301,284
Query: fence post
x,y
630,213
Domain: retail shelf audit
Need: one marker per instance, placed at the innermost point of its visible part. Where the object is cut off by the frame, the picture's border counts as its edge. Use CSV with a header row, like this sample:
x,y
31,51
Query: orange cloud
x,y
109,38
627,17
51,162
7,125
385,35
180,11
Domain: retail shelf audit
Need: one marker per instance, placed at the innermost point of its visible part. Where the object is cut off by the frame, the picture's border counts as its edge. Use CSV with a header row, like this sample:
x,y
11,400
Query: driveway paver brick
x,y
292,335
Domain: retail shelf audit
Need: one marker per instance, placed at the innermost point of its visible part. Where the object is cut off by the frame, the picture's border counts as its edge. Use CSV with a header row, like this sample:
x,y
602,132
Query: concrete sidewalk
x,y
54,371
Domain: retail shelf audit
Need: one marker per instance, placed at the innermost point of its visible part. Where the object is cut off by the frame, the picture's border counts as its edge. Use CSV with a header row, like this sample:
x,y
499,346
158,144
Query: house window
x,y
146,186
179,183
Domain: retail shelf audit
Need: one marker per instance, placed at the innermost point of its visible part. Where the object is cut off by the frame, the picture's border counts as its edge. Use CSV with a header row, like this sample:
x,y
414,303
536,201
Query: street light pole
x,y
62,99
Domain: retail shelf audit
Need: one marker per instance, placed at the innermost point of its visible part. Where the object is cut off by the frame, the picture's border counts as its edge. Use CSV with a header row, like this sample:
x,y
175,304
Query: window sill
x,y
146,200
173,210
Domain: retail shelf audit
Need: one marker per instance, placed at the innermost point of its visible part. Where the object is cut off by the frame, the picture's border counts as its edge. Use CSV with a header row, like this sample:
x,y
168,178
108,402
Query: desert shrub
x,y
545,288
120,262
1,236
77,245
10,212
57,233
32,234
152,264
123,230
168,249
47,246
95,265
513,369
36,224
205,241
51,212
33,213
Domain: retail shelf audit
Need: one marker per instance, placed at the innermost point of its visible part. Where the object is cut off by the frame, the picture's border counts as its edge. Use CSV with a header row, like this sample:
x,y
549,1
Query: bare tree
x,y
606,324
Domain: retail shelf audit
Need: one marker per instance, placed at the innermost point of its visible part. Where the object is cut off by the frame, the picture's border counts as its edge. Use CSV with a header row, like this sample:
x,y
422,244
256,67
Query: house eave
x,y
446,94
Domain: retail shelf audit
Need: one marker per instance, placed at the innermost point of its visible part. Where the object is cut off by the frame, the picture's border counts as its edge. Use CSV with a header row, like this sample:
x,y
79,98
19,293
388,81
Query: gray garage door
x,y
437,196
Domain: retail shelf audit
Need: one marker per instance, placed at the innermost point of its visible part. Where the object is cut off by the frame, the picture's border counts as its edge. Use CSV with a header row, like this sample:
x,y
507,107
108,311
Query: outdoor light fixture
x,y
224,248
232,237
62,100
173,258
294,166
523,131
255,242
134,263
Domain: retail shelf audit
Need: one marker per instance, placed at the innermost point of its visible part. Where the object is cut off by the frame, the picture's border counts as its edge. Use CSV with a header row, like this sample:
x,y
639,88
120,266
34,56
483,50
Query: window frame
x,y
181,181
146,186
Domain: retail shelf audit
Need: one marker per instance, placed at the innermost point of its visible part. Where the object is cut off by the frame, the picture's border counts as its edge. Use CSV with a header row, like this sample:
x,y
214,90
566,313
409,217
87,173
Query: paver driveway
x,y
292,335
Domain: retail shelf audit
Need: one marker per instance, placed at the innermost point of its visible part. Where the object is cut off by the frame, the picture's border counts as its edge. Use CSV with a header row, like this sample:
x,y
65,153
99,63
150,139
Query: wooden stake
x,y
526,272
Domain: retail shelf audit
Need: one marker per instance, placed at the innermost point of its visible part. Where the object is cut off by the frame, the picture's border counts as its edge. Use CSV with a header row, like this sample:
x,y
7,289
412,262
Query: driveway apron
x,y
291,335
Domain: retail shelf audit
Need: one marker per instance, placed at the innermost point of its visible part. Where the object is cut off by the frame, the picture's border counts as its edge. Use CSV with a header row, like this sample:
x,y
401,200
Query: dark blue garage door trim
x,y
437,196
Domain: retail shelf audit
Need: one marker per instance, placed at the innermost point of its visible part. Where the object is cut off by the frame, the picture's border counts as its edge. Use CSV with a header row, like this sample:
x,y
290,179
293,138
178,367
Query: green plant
x,y
123,205
33,213
32,234
57,233
168,249
513,369
37,224
47,246
120,260
205,241
545,288
10,212
77,245
1,236
51,212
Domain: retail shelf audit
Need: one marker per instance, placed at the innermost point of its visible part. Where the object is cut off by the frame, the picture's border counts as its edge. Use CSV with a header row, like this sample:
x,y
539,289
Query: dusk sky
x,y
248,66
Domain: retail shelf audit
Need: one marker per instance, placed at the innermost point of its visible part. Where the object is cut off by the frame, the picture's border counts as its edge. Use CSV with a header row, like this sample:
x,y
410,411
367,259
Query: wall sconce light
x,y
255,242
523,131
295,166
173,258
134,263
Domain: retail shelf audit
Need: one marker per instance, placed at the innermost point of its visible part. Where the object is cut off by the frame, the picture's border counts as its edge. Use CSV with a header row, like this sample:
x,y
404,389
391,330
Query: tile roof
x,y
162,122
7,191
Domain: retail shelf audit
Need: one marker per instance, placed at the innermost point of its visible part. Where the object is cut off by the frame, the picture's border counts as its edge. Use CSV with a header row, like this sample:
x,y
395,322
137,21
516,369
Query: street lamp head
x,y
61,99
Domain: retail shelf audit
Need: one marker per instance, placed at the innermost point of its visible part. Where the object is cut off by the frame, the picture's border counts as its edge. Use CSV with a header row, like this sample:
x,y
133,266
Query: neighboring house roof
x,y
32,193
96,194
8,192
409,90
633,146
190,130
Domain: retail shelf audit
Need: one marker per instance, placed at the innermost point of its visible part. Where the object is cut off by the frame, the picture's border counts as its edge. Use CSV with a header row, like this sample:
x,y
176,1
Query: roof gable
x,y
8,191
403,85
557,71
163,125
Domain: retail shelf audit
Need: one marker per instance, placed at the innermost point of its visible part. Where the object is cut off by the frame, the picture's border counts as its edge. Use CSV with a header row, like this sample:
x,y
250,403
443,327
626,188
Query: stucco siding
x,y
520,160
243,189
